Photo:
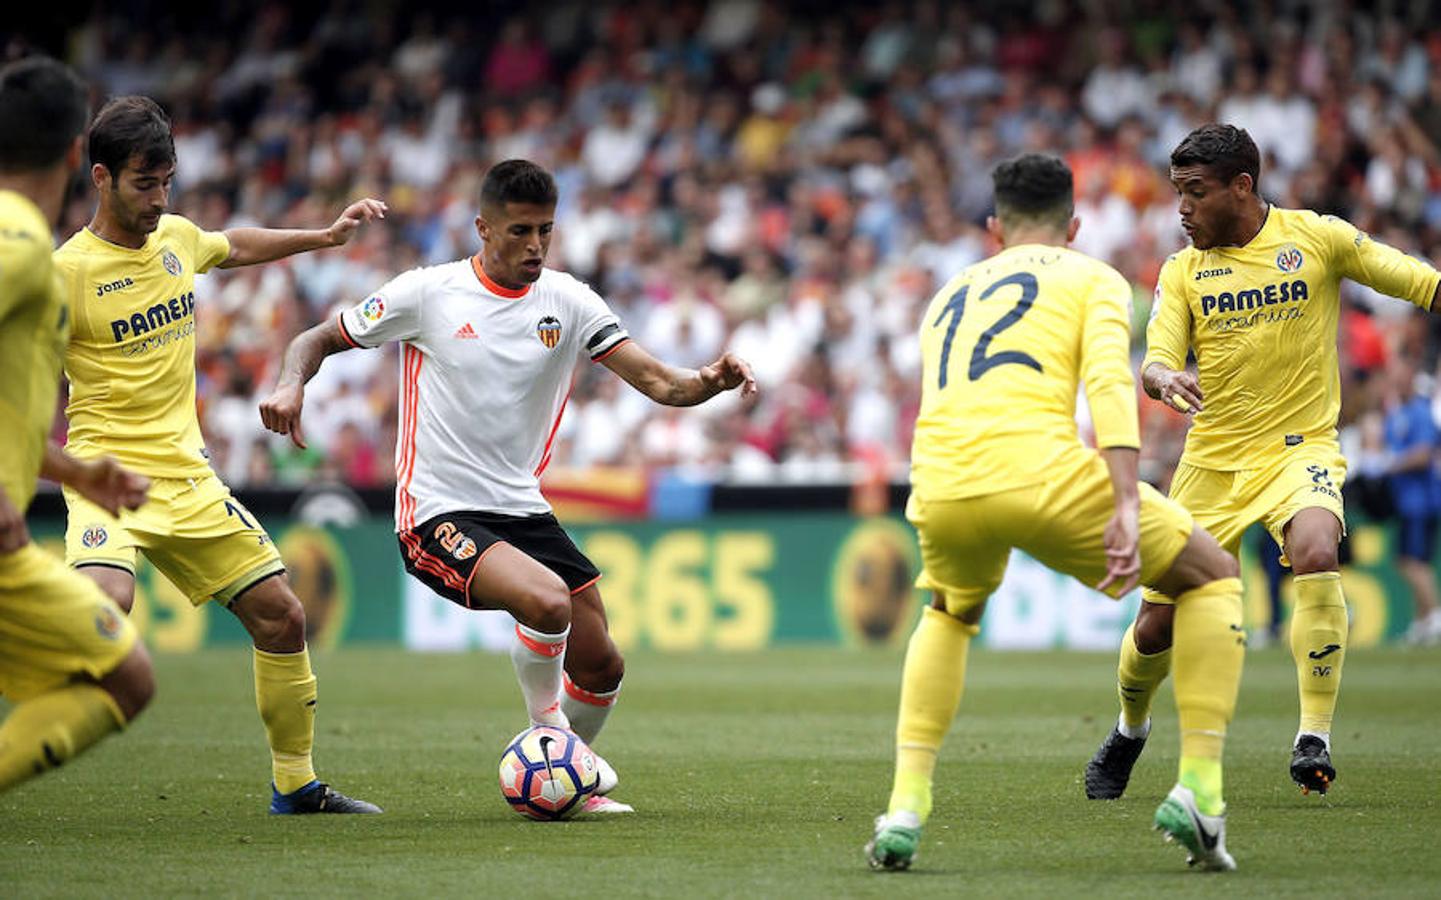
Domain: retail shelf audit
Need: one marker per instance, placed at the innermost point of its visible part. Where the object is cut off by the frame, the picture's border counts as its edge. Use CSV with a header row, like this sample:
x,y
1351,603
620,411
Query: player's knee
x,y
1219,565
132,683
1314,556
1152,629
277,625
546,606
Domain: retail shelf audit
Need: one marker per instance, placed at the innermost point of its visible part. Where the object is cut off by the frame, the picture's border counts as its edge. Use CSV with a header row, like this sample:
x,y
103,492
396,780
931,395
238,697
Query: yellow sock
x,y
285,696
1209,648
44,732
1138,677
931,686
1318,645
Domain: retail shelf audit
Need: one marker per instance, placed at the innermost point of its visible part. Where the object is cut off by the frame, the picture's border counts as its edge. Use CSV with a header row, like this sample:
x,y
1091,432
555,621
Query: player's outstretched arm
x,y
1123,532
281,410
674,386
249,246
1178,390
102,481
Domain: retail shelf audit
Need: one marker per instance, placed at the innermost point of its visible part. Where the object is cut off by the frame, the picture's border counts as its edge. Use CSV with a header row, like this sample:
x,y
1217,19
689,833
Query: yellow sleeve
x,y
1106,362
1379,266
25,265
210,248
1168,336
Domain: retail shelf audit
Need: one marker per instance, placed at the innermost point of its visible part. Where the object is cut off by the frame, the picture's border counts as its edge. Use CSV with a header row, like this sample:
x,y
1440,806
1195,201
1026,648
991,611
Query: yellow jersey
x,y
131,359
1004,347
34,322
1261,320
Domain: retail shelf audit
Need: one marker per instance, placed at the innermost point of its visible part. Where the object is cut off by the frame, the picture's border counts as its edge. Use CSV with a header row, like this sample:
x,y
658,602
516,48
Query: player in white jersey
x,y
489,348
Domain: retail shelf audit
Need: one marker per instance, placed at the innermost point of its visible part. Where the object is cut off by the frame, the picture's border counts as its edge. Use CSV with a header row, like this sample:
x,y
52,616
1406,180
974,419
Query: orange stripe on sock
x,y
585,696
544,649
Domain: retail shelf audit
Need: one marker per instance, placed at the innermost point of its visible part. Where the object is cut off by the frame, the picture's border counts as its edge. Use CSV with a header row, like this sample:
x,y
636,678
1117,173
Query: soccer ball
x,y
546,773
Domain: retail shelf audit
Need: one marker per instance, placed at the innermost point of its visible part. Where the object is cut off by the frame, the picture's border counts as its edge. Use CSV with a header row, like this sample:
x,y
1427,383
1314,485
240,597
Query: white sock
x,y
587,710
1325,737
538,659
1133,733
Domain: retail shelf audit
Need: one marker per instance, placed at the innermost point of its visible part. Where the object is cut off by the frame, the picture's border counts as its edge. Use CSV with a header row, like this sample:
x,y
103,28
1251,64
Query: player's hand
x,y
728,373
356,214
1180,391
281,412
1123,550
103,482
13,533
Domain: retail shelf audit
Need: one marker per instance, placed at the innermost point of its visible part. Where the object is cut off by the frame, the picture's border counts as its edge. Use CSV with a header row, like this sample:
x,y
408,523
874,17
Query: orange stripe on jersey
x,y
405,459
550,438
535,646
585,696
345,332
492,286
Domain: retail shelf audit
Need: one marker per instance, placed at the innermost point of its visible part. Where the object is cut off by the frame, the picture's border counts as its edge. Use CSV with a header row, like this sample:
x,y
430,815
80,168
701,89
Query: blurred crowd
x,y
789,181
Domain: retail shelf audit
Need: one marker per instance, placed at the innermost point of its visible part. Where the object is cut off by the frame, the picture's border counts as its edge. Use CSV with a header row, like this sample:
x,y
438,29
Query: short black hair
x,y
1225,150
131,126
43,108
517,181
1034,186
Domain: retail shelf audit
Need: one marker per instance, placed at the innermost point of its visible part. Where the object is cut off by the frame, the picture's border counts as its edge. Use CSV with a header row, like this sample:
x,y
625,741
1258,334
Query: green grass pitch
x,y
754,776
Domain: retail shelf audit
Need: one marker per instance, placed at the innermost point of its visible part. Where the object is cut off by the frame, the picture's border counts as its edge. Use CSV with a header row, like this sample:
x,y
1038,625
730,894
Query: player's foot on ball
x,y
553,717
1204,837
1311,765
1109,771
894,846
598,805
316,797
607,779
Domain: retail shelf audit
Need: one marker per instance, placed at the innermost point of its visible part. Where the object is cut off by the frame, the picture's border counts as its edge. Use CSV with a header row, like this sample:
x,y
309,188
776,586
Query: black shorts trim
x,y
443,551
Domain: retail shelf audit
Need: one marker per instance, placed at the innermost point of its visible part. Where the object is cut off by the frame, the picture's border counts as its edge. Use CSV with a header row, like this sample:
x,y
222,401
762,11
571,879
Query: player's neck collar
x,y
1265,220
491,285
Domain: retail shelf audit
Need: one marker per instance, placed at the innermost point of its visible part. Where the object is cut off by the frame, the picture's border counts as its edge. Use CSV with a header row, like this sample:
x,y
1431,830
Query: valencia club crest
x,y
548,330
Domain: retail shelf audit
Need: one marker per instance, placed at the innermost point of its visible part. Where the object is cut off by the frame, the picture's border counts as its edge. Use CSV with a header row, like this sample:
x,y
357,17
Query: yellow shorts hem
x,y
233,587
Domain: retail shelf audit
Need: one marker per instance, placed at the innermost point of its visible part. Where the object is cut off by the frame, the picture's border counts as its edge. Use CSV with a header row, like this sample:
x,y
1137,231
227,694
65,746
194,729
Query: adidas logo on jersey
x,y
466,332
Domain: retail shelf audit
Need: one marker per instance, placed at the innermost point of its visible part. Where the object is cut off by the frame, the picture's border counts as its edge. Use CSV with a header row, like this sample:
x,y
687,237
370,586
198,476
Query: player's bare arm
x,y
1178,390
249,246
674,386
1123,532
281,410
102,480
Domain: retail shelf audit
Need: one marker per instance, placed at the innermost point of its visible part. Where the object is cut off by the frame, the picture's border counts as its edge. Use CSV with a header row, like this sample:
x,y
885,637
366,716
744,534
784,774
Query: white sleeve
x,y
390,314
600,329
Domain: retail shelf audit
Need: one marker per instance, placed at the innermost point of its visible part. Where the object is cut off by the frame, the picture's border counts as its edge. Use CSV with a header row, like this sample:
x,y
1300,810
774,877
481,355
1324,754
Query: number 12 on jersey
x,y
981,363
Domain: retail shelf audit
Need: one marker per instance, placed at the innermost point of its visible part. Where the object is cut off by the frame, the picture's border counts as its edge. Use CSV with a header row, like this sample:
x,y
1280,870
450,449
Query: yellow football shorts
x,y
192,529
1228,503
966,543
54,625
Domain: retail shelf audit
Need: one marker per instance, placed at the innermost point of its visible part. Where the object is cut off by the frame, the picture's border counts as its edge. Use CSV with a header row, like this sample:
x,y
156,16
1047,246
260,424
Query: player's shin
x,y
931,687
1138,676
285,694
1318,645
539,659
46,731
587,710
1208,652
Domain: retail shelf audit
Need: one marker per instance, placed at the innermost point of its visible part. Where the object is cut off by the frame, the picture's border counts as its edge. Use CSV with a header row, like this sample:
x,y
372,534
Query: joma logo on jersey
x,y
173,310
102,289
1213,273
548,330
1253,298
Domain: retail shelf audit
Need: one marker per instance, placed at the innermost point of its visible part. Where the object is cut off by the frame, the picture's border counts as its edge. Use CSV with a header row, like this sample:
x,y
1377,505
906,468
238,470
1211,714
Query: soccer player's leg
x,y
962,565
1305,516
1209,650
594,669
70,662
211,547
1145,655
